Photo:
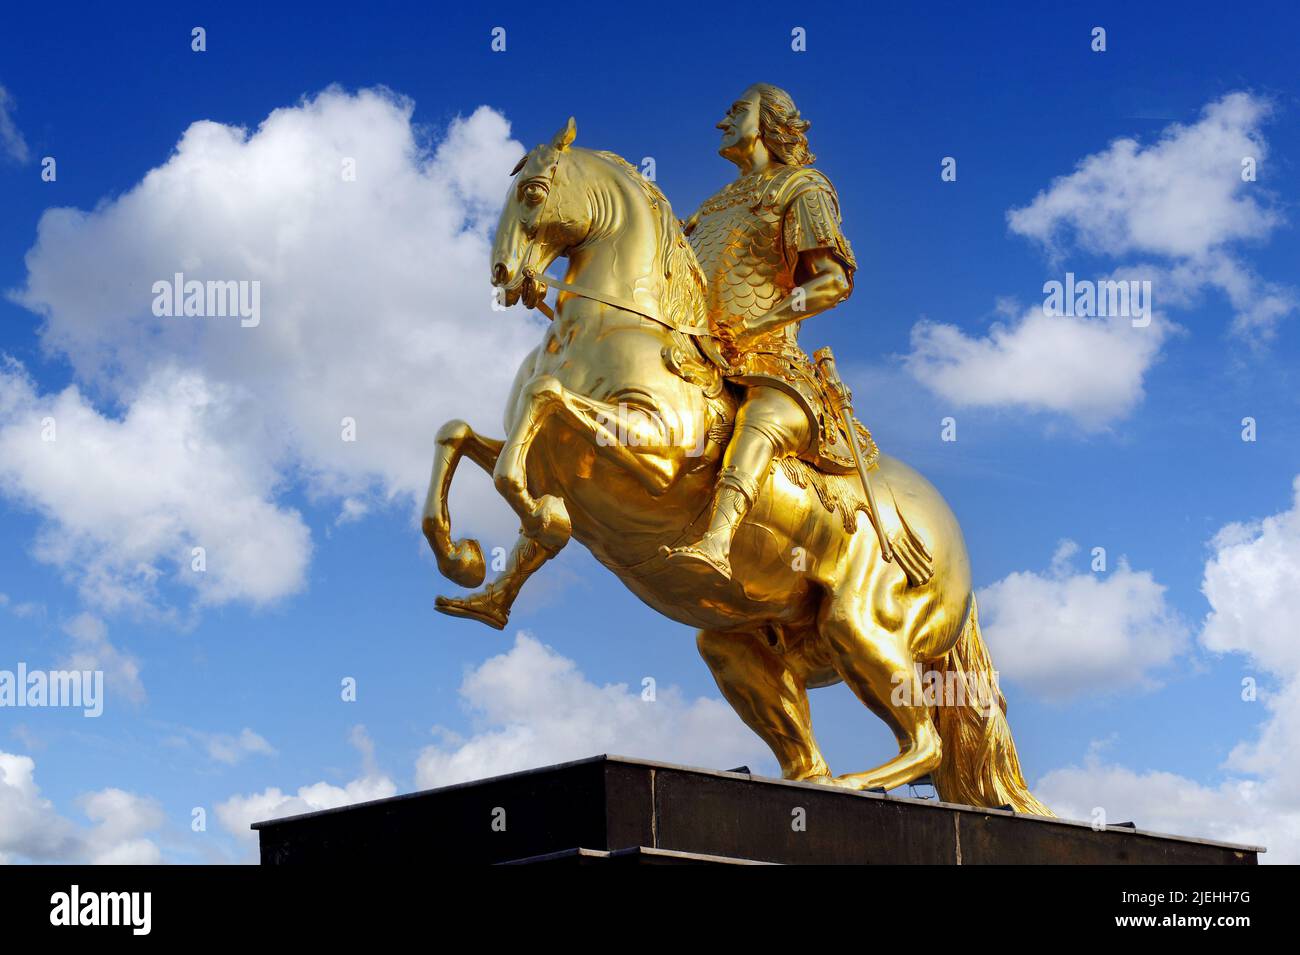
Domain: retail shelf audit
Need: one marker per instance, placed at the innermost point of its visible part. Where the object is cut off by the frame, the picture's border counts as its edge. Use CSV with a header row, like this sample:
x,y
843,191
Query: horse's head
x,y
543,218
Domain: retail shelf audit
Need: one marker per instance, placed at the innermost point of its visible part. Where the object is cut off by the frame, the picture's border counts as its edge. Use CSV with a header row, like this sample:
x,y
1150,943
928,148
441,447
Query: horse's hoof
x,y
691,554
835,782
469,609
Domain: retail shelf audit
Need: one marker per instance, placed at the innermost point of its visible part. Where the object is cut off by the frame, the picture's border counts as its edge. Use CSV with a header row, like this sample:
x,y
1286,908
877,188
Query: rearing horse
x,y
615,429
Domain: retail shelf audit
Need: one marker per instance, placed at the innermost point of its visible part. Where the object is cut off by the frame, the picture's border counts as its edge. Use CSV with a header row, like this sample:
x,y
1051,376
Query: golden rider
x,y
771,248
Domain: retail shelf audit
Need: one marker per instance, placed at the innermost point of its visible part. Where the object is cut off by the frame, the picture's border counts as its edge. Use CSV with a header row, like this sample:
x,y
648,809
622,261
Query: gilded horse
x,y
615,428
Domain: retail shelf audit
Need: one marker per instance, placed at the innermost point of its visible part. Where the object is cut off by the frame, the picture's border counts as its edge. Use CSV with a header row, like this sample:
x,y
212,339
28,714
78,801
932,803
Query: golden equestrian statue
x,y
671,423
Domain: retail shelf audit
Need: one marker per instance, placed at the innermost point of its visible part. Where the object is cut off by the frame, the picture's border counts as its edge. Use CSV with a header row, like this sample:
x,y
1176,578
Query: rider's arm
x,y
821,258
824,283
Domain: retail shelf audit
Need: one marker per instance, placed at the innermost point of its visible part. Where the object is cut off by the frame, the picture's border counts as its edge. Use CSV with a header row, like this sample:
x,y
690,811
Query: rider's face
x,y
740,130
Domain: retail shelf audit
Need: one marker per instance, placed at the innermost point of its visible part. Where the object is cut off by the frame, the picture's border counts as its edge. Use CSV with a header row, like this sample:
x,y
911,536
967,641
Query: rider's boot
x,y
745,464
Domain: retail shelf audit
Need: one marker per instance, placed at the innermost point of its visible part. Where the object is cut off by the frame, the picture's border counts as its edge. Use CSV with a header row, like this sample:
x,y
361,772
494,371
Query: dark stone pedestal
x,y
612,809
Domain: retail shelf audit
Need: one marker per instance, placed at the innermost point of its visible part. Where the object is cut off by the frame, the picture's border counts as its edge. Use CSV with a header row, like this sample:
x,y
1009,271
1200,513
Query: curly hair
x,y
783,130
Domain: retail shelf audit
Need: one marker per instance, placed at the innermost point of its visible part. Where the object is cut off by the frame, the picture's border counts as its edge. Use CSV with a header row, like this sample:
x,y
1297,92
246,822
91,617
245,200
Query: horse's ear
x,y
519,165
565,137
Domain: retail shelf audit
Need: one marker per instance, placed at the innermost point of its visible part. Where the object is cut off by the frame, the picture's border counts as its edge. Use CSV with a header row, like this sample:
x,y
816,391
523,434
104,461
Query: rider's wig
x,y
782,128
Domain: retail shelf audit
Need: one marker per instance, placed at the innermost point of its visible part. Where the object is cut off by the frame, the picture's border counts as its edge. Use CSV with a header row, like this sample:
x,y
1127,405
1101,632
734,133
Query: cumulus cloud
x,y
12,142
370,245
1182,199
1252,583
29,826
126,501
1061,634
1091,369
1172,213
121,819
535,707
92,650
1166,802
237,813
32,831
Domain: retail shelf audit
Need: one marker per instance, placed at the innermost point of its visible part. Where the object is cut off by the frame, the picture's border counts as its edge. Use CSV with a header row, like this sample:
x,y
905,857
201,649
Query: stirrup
x,y
693,553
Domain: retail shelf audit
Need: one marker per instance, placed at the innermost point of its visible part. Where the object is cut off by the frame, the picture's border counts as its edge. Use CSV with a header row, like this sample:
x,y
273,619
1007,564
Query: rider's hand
x,y
725,335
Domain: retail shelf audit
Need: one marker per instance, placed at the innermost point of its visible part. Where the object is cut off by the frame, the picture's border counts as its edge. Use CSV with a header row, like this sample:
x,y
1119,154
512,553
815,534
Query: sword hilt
x,y
835,386
840,394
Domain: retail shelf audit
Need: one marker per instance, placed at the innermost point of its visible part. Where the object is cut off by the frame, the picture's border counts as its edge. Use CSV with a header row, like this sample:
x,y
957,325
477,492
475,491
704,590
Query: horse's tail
x,y
980,766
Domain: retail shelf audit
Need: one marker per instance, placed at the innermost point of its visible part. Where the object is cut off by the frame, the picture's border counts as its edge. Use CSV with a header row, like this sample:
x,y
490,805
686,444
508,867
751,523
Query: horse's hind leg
x,y
768,695
878,666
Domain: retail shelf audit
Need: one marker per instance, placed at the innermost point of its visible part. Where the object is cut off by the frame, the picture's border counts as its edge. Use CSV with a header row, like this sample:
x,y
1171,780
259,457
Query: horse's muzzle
x,y
509,291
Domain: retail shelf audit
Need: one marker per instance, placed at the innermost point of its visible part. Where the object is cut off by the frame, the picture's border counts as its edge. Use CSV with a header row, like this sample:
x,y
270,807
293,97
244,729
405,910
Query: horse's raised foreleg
x,y
461,561
635,439
492,604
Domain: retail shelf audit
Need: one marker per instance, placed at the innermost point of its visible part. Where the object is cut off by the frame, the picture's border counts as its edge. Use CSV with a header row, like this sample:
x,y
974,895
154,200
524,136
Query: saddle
x,y
696,358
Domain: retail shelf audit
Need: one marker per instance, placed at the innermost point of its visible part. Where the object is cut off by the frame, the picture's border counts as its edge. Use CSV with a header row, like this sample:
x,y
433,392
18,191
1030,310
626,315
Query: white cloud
x,y
29,826
1252,582
226,748
1166,802
375,306
1091,369
121,819
32,831
93,651
364,745
11,138
126,500
237,813
1179,207
231,749
1181,198
535,708
1061,634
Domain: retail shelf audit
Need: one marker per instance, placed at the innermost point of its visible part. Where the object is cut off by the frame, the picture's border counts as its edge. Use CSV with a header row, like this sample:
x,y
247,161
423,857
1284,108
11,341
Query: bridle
x,y
533,287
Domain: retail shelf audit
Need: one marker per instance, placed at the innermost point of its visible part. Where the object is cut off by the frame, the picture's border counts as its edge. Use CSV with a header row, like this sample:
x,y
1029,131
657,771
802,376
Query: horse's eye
x,y
534,193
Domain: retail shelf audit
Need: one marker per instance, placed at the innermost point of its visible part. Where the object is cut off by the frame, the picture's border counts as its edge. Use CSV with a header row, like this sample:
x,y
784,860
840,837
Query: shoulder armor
x,y
790,182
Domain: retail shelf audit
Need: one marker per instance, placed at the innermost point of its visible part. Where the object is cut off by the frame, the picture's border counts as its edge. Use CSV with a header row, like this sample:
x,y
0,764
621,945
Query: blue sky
x,y
1124,685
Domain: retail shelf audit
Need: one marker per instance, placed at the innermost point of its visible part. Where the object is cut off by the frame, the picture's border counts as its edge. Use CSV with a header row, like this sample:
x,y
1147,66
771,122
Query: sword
x,y
842,400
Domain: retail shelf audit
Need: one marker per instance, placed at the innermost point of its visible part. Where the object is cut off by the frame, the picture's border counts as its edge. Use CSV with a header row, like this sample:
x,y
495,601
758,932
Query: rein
x,y
581,291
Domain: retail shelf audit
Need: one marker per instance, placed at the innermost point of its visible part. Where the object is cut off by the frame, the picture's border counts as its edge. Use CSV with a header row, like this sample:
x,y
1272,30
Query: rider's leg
x,y
770,424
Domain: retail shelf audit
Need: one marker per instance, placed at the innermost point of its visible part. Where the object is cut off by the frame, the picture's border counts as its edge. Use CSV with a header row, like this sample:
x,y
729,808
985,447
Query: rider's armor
x,y
748,238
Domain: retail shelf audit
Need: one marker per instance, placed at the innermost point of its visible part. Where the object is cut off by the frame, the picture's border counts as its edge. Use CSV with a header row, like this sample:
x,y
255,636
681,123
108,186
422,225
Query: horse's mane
x,y
684,301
